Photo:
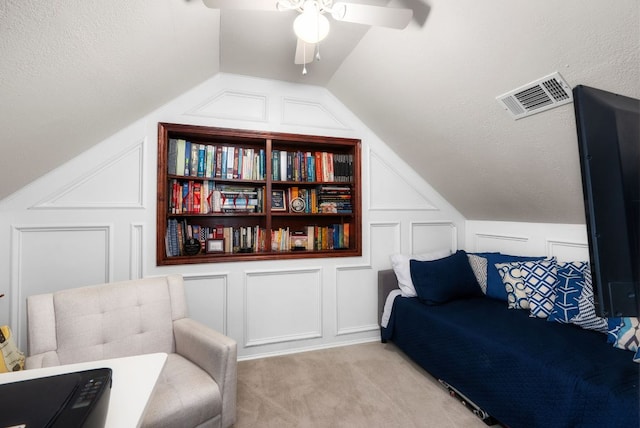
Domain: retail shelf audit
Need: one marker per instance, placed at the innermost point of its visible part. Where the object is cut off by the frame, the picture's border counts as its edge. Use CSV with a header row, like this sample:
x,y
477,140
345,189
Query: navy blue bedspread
x,y
525,372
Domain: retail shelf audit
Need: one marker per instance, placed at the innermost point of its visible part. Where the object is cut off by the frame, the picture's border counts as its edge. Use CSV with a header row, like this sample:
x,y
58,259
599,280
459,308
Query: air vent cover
x,y
543,94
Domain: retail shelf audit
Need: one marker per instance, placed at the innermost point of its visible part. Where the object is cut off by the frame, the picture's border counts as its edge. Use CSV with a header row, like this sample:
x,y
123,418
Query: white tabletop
x,y
133,380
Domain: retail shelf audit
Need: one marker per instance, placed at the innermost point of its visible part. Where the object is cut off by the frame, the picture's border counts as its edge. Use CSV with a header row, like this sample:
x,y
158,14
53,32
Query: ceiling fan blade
x,y
242,4
372,15
304,52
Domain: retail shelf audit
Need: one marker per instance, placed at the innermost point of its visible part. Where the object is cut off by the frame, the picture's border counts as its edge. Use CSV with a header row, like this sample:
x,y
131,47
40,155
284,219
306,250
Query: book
x,y
228,241
262,165
172,156
187,158
223,163
275,165
197,198
218,167
237,155
202,157
310,237
210,161
318,166
230,162
185,197
205,206
193,169
283,165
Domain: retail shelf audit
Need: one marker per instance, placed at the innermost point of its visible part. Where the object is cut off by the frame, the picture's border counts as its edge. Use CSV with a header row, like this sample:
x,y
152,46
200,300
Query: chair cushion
x,y
113,320
185,395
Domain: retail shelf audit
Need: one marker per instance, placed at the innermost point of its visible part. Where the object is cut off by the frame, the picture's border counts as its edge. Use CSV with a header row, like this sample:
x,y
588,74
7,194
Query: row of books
x,y
333,237
323,198
204,197
334,199
241,239
251,239
215,161
311,166
196,197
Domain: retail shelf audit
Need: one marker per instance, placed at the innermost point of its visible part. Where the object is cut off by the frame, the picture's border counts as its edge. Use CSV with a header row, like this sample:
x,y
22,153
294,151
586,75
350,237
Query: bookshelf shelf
x,y
249,195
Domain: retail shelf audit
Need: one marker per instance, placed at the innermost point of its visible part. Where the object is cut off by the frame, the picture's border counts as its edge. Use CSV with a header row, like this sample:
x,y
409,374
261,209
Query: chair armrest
x,y
46,359
216,354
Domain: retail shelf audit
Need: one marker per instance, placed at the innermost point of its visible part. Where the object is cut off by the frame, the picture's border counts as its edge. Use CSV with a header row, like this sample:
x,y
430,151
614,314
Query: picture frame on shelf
x,y
278,200
299,241
215,246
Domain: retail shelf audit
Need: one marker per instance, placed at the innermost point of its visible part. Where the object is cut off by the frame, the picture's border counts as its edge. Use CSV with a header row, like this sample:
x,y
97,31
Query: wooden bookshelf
x,y
280,196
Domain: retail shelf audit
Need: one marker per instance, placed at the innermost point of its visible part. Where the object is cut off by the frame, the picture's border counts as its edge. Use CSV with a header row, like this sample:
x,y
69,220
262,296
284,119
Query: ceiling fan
x,y
311,26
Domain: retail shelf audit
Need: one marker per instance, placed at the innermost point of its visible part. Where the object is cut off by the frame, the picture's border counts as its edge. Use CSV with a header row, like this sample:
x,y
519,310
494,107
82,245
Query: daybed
x,y
521,369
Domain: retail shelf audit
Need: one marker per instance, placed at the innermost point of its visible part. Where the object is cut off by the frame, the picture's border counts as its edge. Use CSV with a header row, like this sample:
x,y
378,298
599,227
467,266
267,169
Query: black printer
x,y
78,399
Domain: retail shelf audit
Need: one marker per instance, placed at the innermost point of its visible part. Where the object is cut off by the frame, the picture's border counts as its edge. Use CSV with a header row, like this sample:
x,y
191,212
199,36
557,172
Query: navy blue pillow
x,y
495,286
442,280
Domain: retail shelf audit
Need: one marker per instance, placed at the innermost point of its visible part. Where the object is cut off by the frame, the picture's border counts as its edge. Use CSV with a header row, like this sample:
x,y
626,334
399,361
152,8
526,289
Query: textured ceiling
x,y
73,72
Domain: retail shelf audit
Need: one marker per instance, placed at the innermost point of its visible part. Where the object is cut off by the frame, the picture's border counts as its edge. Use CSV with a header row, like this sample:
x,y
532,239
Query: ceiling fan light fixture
x,y
311,26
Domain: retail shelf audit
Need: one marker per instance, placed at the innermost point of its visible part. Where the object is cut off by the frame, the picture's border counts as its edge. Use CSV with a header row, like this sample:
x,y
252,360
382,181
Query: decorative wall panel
x,y
116,183
75,255
282,306
568,251
234,105
307,113
390,191
356,286
507,244
136,253
207,299
433,235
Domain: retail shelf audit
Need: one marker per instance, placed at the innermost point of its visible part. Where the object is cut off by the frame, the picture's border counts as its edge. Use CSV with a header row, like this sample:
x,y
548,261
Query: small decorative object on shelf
x,y
298,205
215,245
231,195
191,247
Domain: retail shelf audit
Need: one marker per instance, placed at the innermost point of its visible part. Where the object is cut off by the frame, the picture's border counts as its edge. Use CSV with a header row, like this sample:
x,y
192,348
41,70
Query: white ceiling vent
x,y
543,94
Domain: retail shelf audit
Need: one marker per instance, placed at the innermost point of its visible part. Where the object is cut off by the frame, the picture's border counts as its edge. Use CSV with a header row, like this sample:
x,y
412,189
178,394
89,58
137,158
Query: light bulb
x,y
311,26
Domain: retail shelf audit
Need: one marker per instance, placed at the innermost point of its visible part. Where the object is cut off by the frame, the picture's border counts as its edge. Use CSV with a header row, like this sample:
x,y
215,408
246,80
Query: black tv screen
x,y
608,128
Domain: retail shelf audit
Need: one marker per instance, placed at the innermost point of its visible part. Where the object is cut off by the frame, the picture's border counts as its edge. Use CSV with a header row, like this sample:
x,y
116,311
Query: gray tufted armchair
x,y
197,386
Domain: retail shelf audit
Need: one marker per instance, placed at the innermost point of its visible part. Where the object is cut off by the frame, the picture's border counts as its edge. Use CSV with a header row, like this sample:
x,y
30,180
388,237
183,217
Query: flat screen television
x,y
608,127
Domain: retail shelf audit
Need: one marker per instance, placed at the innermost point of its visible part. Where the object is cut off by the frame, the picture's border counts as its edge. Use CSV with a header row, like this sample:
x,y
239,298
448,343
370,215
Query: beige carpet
x,y
366,385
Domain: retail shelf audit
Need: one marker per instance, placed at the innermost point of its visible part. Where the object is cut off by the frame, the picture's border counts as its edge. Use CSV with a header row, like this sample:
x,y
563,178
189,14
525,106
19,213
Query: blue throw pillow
x,y
495,286
613,328
568,291
446,279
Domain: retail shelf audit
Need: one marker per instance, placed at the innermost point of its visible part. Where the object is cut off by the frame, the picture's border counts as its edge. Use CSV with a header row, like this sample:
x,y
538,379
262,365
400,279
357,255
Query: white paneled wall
x,y
93,220
566,242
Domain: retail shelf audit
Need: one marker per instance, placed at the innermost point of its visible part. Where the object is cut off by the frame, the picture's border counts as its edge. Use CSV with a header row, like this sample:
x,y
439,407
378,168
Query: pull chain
x,y
304,59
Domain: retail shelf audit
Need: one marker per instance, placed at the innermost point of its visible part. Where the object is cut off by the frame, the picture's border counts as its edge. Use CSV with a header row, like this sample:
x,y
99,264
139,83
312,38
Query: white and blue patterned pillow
x,y
511,276
568,290
540,279
479,267
587,317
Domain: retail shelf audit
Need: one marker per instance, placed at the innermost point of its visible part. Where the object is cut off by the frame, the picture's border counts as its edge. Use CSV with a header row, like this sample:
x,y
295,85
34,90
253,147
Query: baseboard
x,y
308,349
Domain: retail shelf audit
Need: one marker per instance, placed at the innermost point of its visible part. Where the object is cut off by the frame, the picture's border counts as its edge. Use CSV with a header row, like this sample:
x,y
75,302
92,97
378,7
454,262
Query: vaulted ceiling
x,y
73,72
